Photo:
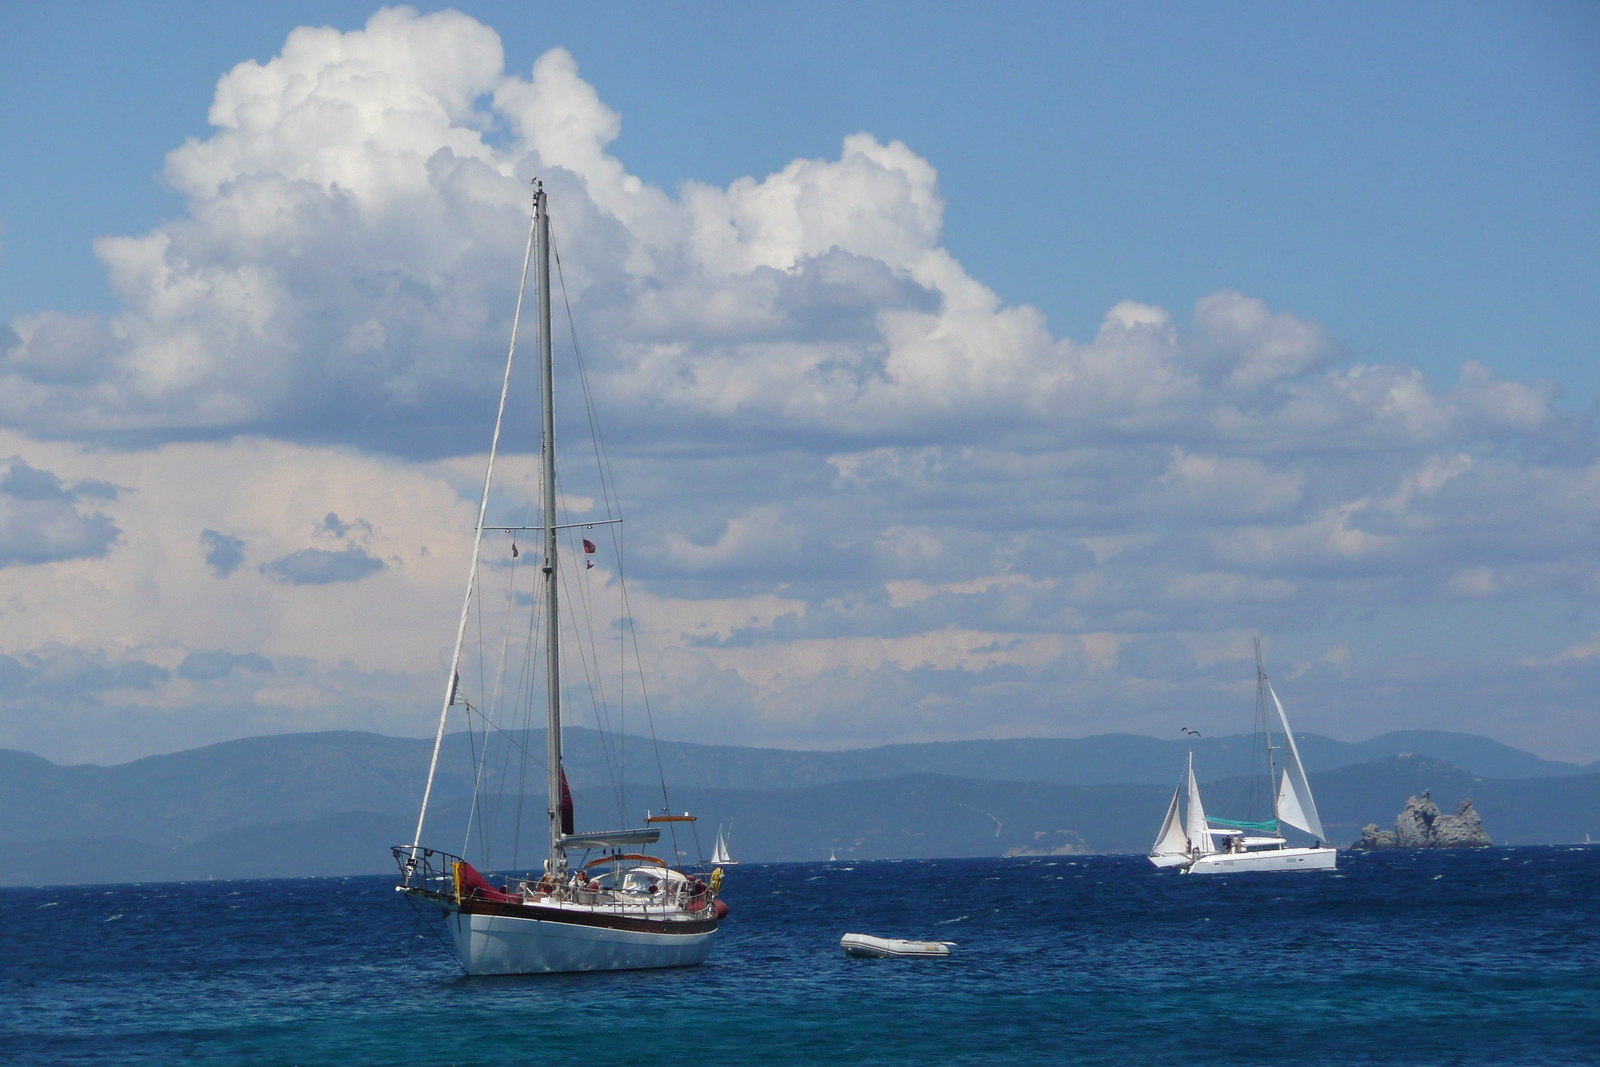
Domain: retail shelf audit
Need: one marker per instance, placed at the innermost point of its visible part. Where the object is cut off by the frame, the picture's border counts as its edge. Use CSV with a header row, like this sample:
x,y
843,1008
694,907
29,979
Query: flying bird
x,y
1191,733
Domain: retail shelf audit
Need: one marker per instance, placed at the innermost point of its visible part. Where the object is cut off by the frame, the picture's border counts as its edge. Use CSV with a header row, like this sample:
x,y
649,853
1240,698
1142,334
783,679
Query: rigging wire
x,y
582,605
472,754
609,497
491,821
496,701
592,678
510,740
509,737
608,481
530,674
451,680
477,604
520,709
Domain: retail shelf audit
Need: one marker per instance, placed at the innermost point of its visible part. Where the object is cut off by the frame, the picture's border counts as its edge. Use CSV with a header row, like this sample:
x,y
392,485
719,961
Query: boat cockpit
x,y
1234,841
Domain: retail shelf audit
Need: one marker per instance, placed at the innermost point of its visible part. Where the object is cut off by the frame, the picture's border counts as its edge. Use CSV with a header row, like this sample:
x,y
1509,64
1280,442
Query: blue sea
x,y
1462,957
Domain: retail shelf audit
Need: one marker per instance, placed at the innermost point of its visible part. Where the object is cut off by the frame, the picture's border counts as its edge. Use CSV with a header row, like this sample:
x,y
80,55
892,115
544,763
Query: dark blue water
x,y
1487,957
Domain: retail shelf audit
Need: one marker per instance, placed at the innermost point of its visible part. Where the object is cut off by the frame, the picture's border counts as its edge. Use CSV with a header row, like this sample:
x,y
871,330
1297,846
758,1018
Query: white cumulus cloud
x,y
867,497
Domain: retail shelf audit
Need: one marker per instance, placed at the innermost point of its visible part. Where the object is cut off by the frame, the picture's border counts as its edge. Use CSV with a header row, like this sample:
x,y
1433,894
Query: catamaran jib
x,y
598,902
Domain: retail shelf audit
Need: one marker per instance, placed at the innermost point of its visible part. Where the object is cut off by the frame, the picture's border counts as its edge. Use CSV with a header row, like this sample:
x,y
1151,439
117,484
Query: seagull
x,y
1191,733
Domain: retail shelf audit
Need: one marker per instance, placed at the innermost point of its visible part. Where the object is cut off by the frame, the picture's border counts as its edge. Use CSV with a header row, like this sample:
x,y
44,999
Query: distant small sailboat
x,y
719,855
865,946
831,857
1190,842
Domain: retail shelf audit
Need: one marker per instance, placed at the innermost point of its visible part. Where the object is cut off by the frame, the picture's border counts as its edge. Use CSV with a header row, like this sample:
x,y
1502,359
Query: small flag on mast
x,y
588,548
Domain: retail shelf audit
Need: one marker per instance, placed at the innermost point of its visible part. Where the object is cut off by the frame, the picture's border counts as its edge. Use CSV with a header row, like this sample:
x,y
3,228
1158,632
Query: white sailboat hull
x,y
1168,859
502,944
643,916
1277,859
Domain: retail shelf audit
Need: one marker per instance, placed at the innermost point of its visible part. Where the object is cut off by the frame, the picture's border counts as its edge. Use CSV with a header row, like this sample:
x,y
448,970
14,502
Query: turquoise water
x,y
1487,957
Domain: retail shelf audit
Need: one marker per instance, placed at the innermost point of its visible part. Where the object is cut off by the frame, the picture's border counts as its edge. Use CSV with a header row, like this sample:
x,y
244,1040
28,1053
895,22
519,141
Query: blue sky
x,y
1423,178
969,372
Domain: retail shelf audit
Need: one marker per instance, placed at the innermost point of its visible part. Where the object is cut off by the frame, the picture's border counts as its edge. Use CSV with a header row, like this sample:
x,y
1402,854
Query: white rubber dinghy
x,y
868,947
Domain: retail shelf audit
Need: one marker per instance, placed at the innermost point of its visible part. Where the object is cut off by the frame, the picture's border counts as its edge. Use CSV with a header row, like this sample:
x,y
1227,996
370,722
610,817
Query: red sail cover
x,y
473,886
566,804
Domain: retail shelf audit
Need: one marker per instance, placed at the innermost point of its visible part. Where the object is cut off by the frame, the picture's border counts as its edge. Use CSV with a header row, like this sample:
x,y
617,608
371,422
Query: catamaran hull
x,y
1279,859
503,944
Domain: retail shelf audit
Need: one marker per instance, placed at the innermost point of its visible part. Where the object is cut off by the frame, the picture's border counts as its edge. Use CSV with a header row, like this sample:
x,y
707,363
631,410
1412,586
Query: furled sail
x,y
1172,841
611,838
566,804
1199,840
1295,805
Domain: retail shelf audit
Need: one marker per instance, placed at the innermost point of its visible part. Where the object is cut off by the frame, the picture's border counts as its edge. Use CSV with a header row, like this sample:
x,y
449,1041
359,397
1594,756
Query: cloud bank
x,y
868,499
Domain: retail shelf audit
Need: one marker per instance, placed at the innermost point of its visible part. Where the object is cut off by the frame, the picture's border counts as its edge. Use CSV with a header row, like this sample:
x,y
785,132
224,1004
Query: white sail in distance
x,y
1295,805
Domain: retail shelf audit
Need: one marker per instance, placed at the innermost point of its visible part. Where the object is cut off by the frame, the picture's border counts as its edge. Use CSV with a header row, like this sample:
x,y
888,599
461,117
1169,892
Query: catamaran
x,y
1202,844
599,902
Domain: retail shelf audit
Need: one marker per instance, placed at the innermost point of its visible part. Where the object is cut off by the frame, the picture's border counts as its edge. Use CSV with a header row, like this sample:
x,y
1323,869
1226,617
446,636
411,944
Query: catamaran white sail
x,y
1197,847
616,907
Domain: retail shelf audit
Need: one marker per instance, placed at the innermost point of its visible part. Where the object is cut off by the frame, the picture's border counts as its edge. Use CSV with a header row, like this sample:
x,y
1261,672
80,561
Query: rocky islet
x,y
1423,825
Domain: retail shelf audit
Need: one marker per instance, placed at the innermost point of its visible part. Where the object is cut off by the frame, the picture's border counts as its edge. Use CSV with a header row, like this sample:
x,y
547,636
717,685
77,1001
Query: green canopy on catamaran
x,y
1268,827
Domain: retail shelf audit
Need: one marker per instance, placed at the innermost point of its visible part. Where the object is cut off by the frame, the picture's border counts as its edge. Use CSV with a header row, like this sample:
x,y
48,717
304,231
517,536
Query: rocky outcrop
x,y
1372,837
1462,830
1423,825
1413,827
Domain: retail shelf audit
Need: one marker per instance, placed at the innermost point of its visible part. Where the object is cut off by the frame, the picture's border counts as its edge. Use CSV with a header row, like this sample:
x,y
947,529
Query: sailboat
x,y
1201,844
719,854
599,903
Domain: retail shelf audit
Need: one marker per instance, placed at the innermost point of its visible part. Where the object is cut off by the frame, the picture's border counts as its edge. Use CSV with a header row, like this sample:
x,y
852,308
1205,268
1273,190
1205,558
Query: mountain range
x,y
332,803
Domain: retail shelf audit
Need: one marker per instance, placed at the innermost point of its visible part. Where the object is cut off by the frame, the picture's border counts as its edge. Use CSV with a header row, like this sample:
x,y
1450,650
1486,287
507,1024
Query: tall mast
x,y
547,378
1266,724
